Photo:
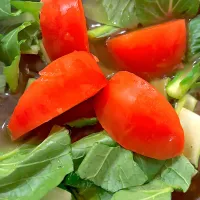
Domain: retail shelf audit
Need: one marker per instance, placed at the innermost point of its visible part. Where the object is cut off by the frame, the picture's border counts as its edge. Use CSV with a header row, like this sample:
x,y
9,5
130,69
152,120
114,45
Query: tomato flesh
x,y
151,52
139,118
63,27
63,84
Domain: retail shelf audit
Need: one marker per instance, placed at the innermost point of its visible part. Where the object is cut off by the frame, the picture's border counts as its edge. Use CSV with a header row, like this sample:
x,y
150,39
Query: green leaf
x,y
2,83
82,147
75,181
10,46
29,6
117,13
111,168
177,173
35,170
194,39
12,73
5,9
83,122
156,11
149,166
95,193
155,190
30,37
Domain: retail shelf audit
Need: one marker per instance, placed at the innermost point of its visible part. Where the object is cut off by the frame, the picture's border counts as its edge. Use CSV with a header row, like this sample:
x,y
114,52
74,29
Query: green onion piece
x,y
30,81
83,122
101,32
160,85
188,102
183,81
43,53
2,83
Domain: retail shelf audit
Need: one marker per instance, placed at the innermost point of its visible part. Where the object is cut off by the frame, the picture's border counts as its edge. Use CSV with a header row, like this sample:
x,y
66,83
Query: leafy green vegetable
x,y
101,32
5,9
194,39
82,147
155,11
30,37
35,170
58,194
183,81
155,190
111,168
177,173
29,6
12,73
75,181
83,122
95,193
149,166
10,46
43,54
2,83
117,13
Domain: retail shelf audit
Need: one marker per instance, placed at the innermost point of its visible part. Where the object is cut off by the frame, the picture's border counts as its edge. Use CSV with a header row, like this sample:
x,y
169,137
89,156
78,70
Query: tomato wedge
x,y
151,52
139,118
63,27
63,84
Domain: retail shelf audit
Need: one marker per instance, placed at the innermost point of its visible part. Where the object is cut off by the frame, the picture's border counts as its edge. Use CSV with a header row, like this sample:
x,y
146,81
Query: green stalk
x,y
183,81
101,32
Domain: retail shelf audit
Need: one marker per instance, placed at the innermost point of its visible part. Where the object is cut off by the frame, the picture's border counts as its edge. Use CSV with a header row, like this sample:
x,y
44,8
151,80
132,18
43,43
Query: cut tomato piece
x,y
63,84
139,118
63,27
151,52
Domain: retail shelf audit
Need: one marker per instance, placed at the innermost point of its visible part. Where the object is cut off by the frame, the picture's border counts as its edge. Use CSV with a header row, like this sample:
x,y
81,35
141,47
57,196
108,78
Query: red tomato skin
x,y
151,52
63,27
63,84
139,118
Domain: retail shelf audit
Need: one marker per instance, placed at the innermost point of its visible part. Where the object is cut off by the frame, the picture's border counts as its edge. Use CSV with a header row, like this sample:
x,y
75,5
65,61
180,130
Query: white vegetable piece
x,y
191,126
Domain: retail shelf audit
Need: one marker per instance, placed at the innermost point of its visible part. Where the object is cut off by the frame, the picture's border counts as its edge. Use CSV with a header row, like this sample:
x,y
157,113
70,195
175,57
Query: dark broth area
x,y
29,67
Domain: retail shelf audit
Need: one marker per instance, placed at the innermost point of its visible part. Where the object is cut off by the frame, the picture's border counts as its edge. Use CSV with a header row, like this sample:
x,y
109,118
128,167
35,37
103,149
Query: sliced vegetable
x,y
188,102
76,77
156,190
135,53
83,122
147,123
156,11
103,165
183,81
102,31
178,173
63,27
160,85
193,39
36,169
191,123
113,13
